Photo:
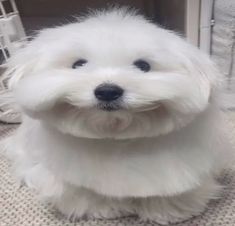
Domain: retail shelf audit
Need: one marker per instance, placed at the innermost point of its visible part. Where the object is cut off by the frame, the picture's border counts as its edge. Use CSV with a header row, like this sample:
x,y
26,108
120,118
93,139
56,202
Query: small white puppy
x,y
119,118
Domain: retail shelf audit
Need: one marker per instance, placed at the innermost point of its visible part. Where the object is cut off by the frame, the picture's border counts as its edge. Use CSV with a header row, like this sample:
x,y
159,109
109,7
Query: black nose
x,y
108,92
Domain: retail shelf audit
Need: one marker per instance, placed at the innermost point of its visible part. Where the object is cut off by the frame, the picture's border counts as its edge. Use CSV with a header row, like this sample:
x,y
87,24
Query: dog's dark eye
x,y
142,65
79,63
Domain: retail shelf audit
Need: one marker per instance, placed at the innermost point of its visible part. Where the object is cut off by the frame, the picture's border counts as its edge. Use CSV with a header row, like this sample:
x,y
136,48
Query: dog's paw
x,y
166,218
166,210
107,213
82,203
80,210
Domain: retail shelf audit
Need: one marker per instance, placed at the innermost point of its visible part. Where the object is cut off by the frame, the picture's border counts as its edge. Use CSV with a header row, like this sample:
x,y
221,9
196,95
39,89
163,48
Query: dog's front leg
x,y
165,210
77,202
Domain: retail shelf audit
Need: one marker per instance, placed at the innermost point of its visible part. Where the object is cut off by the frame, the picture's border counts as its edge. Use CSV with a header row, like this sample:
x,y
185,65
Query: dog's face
x,y
112,75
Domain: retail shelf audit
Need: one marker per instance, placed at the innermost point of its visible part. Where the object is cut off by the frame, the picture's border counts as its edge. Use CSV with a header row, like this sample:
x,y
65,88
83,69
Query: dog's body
x,y
115,134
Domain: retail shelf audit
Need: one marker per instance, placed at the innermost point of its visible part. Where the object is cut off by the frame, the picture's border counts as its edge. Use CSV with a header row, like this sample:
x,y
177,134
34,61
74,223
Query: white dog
x,y
119,118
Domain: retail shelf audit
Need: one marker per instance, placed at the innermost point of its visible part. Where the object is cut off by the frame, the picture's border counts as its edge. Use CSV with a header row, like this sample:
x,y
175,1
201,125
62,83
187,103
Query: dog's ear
x,y
203,71
21,64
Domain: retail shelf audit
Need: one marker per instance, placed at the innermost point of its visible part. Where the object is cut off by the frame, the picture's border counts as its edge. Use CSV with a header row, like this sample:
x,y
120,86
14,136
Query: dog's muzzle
x,y
108,96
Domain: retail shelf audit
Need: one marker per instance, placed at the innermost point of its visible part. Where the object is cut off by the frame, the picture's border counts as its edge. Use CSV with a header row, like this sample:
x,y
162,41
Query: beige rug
x,y
20,207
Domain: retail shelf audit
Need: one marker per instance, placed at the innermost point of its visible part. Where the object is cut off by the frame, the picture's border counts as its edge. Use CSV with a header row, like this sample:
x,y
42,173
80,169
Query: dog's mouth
x,y
112,106
109,106
115,106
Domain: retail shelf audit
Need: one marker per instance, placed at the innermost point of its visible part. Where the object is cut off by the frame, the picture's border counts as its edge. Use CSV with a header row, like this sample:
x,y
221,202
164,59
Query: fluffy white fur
x,y
155,157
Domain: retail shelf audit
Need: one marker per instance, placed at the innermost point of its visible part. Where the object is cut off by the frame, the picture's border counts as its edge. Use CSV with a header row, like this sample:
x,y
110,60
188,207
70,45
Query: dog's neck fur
x,y
108,165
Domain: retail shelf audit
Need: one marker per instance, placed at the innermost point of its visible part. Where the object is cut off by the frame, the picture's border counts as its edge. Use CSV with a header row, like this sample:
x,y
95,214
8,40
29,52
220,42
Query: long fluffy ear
x,y
21,64
204,72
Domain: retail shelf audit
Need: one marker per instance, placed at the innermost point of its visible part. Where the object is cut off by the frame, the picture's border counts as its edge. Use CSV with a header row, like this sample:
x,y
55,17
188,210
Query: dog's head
x,y
112,75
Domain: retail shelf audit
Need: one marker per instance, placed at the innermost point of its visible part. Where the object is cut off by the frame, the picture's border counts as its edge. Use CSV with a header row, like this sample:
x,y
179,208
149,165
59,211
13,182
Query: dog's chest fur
x,y
164,165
